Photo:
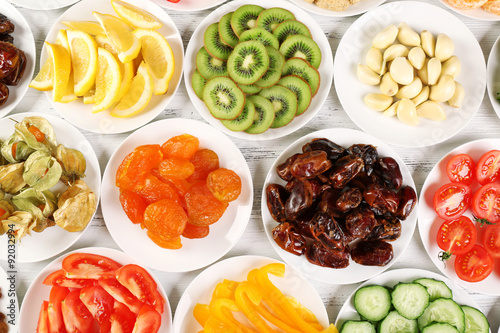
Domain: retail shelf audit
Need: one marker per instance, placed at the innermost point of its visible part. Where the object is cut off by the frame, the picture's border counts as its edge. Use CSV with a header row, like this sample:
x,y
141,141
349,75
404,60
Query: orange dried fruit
x,y
166,218
136,165
224,184
204,161
176,168
133,205
173,243
203,207
192,231
153,189
181,146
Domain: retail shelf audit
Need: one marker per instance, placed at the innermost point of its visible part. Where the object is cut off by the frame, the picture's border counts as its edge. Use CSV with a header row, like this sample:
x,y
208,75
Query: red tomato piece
x,y
121,294
452,200
475,265
486,202
141,284
122,319
88,266
43,320
54,314
488,167
100,304
77,318
456,236
491,240
461,169
148,320
59,278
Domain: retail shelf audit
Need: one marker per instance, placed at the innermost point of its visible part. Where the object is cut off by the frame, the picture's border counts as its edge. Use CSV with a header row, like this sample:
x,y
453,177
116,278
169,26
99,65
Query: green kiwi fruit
x,y
208,66
198,82
223,98
226,33
244,120
248,62
270,18
264,115
245,18
249,89
301,68
273,73
299,46
213,43
284,103
300,88
290,28
262,35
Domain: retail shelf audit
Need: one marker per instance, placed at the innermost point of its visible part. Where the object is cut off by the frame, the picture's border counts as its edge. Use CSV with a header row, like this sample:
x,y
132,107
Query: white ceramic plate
x,y
356,9
43,5
429,222
195,253
236,269
390,279
38,292
80,114
9,297
354,272
358,40
325,69
23,40
54,240
493,76
478,13
189,5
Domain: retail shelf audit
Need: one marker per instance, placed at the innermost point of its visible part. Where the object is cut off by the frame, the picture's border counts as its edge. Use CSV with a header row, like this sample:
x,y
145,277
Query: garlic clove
x,y
411,90
391,110
457,99
374,60
422,96
433,71
422,73
431,110
452,66
385,37
428,43
444,47
443,90
416,57
388,86
367,76
392,52
407,35
378,102
407,112
401,71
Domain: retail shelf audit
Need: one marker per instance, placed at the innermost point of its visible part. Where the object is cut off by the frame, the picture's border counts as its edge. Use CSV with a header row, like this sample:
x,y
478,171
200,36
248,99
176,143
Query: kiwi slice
x,y
198,82
284,104
248,62
273,73
226,33
223,98
301,68
264,115
299,46
244,120
250,89
290,28
301,89
214,45
262,35
245,18
270,18
208,66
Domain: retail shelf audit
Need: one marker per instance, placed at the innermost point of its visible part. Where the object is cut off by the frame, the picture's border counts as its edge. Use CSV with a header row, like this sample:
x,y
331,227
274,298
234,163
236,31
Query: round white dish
x,y
38,292
201,288
23,40
54,240
356,9
80,114
195,253
429,222
9,304
188,5
478,13
325,69
43,5
358,40
354,272
493,76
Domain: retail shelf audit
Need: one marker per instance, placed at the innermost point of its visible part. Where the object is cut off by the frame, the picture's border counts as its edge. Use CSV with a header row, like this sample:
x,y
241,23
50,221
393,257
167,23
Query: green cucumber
x,y
372,302
396,323
355,326
410,299
443,310
475,320
435,288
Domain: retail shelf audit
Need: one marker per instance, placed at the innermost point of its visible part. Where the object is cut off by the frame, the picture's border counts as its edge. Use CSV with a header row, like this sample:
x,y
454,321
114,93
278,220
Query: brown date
x,y
6,26
345,169
310,164
276,199
4,93
301,198
5,37
360,222
389,170
317,254
388,229
303,221
367,152
382,198
372,253
328,202
407,200
288,239
284,169
13,78
9,58
332,149
327,231
349,199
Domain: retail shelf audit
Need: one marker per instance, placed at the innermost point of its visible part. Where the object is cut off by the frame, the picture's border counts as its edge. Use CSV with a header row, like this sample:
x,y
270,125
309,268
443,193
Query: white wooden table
x,y
260,156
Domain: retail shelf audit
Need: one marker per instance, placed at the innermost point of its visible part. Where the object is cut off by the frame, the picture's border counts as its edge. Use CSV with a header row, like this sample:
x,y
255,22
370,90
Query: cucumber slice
x,y
475,320
356,326
439,328
443,310
410,299
372,302
435,288
396,323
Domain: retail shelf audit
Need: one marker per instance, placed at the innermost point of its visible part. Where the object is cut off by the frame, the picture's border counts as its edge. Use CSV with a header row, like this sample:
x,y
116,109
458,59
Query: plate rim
x,y
490,75
40,4
332,13
204,7
462,12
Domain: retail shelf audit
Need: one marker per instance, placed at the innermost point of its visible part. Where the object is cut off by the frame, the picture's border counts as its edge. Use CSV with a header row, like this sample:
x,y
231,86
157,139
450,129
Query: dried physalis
x,y
11,177
76,206
41,204
37,132
6,209
3,161
73,164
21,224
14,150
41,171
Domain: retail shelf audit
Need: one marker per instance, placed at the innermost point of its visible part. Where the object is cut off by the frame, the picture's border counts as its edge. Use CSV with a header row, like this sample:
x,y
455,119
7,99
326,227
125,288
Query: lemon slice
x,y
120,35
44,80
107,80
90,27
138,96
159,56
104,42
83,59
61,64
69,95
89,97
135,16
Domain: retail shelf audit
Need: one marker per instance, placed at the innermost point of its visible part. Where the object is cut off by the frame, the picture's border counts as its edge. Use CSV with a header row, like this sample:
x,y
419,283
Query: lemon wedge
x,y
104,42
61,64
159,56
138,96
135,16
107,80
120,35
69,94
44,80
83,59
90,27
89,97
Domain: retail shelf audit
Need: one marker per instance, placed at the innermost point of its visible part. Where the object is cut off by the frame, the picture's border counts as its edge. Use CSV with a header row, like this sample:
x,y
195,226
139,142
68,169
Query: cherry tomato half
x,y
491,240
452,200
488,167
457,236
475,265
88,266
461,169
486,202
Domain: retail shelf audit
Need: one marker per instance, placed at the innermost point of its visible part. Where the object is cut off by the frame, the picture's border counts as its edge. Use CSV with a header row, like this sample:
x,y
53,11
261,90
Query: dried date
x,y
407,201
367,152
284,169
333,150
382,198
349,199
372,253
301,198
360,222
327,231
317,254
345,169
388,229
310,164
276,198
289,239
389,171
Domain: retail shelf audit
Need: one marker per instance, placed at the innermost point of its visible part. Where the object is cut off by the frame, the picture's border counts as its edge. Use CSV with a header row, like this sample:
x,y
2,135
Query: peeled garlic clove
x,y
367,76
374,60
407,35
407,112
401,71
428,43
391,110
416,57
458,97
443,90
444,47
385,37
392,52
411,90
378,102
422,96
433,71
452,66
422,73
388,86
431,110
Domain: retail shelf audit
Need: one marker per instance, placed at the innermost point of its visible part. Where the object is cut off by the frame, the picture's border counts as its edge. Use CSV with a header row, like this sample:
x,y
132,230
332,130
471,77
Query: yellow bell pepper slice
x,y
245,295
225,289
222,308
201,313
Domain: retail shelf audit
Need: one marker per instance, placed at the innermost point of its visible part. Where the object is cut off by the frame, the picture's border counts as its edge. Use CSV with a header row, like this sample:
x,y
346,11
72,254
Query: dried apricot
x,y
181,146
165,218
224,184
176,168
133,205
173,243
136,165
192,231
152,189
202,206
205,161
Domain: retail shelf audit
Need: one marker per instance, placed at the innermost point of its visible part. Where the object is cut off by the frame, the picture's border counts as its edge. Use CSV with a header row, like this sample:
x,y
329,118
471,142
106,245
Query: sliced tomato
x,y
456,236
100,304
486,202
491,240
122,320
88,266
76,316
488,167
452,200
461,169
54,314
43,320
121,294
148,320
474,265
59,278
141,284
